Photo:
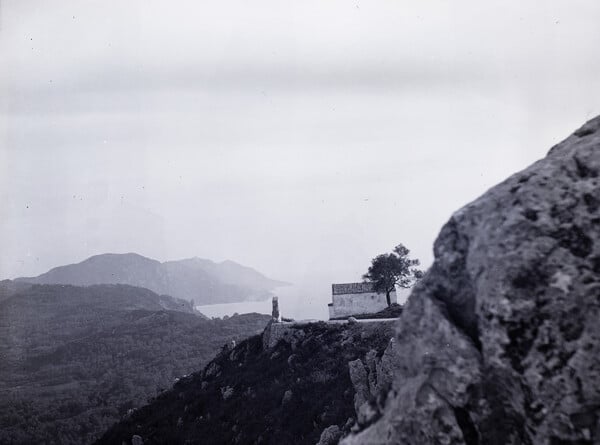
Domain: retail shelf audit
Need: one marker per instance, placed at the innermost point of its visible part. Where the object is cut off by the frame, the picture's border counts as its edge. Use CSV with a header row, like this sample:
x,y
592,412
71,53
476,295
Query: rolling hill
x,y
74,359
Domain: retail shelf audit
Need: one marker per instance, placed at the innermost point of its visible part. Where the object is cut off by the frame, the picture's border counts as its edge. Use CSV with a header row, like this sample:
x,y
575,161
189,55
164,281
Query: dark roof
x,y
351,288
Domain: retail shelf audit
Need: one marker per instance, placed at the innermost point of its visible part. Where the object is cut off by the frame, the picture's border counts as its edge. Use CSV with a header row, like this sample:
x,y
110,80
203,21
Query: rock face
x,y
500,342
288,332
330,435
360,382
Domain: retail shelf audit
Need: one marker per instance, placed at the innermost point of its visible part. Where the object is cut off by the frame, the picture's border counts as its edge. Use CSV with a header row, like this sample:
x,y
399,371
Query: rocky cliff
x,y
500,342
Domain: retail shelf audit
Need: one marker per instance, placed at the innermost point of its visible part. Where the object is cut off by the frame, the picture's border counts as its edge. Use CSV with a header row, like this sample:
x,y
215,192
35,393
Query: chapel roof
x,y
352,288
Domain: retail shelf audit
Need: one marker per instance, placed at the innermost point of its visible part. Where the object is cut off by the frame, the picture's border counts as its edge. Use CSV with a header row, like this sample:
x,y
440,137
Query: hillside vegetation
x,y
291,393
76,359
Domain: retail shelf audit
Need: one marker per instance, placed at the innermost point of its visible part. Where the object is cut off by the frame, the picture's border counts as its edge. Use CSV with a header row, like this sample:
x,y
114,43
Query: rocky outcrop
x,y
290,333
500,341
362,396
297,391
287,397
330,435
371,378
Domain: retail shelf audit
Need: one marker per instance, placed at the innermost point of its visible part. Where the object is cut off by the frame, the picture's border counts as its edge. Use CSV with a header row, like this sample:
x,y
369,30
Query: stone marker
x,y
275,313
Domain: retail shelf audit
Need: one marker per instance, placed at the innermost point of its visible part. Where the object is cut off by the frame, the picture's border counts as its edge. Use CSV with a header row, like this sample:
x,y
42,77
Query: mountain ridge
x,y
201,280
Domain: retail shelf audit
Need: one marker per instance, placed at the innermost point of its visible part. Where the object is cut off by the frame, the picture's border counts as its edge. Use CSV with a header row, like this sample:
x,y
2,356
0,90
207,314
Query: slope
x,y
74,359
291,385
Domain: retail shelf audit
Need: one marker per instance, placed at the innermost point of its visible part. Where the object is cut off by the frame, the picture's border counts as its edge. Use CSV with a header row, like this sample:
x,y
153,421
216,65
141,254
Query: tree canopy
x,y
389,270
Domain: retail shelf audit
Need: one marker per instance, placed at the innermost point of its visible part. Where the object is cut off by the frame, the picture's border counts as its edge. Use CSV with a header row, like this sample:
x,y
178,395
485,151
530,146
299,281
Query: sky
x,y
298,138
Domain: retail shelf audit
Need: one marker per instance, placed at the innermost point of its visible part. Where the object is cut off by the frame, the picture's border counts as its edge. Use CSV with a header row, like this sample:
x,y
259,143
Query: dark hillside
x,y
8,288
75,359
288,394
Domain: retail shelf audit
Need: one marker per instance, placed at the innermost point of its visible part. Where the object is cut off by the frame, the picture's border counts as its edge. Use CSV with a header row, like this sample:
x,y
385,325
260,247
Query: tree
x,y
389,270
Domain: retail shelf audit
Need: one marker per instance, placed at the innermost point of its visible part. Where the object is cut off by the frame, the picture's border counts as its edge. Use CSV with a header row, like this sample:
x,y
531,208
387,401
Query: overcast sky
x,y
300,138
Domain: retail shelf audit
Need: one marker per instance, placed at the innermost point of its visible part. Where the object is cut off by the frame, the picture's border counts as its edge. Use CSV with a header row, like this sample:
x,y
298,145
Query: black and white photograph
x,y
299,222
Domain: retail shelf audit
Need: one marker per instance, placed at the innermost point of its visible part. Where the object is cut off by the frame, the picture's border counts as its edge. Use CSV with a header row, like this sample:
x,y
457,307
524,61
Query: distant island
x,y
198,280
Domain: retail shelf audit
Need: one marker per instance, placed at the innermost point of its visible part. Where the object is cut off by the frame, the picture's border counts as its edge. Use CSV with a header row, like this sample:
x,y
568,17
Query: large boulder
x,y
500,341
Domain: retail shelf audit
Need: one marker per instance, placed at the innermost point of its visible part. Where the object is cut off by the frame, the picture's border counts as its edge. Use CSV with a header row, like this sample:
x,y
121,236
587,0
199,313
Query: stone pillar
x,y
275,313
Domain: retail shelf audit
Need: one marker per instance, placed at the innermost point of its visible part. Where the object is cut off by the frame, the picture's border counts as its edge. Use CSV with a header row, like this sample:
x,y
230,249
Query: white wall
x,y
345,305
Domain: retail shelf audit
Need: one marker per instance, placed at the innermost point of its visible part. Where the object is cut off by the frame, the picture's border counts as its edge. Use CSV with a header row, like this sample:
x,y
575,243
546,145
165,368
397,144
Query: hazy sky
x,y
300,138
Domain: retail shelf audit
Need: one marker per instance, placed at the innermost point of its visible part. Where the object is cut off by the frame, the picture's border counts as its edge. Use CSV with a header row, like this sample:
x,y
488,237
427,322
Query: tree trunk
x,y
387,297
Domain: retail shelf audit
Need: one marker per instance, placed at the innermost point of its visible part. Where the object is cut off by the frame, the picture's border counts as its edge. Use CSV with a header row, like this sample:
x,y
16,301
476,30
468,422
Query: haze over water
x,y
297,302
300,139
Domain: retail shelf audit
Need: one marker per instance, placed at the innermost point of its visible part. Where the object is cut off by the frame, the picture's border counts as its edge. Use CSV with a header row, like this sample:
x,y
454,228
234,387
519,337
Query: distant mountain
x,y
73,360
203,281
